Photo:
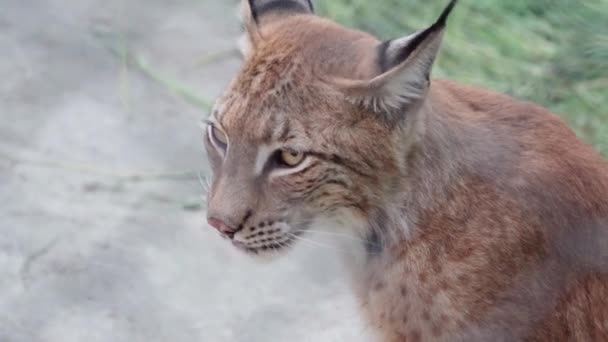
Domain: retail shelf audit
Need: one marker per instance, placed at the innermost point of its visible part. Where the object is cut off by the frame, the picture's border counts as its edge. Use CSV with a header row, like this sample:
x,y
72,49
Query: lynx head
x,y
314,125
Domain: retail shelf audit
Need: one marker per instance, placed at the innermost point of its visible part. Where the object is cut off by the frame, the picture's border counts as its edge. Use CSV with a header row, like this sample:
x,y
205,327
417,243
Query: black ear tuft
x,y
446,13
393,52
262,7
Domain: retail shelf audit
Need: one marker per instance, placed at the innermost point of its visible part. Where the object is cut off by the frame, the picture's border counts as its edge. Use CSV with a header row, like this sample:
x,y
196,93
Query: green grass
x,y
552,52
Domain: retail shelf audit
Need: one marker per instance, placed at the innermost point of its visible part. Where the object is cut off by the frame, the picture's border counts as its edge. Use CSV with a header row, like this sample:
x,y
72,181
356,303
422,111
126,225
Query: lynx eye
x,y
217,137
291,158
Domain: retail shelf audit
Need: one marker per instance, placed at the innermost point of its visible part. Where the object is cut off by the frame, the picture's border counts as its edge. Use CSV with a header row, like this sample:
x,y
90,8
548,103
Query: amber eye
x,y
291,158
218,138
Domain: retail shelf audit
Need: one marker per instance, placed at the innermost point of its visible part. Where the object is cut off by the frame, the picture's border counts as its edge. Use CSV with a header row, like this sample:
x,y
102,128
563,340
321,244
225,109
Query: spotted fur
x,y
473,216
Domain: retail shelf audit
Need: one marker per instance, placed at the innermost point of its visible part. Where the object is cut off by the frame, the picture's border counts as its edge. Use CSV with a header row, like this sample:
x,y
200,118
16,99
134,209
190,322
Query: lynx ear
x,y
405,65
260,8
255,13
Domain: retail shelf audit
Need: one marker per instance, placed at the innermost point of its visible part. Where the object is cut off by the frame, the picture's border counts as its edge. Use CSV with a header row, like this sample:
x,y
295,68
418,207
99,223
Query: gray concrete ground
x,y
101,234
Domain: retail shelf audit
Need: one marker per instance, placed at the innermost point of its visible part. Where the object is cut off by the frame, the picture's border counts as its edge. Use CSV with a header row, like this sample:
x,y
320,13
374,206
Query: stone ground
x,y
102,235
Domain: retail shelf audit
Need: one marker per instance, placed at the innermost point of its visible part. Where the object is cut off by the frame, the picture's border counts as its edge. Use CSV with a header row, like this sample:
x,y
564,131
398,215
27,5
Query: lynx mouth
x,y
266,248
267,238
269,246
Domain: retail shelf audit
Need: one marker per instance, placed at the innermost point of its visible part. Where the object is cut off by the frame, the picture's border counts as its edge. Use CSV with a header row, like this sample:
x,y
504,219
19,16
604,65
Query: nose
x,y
221,227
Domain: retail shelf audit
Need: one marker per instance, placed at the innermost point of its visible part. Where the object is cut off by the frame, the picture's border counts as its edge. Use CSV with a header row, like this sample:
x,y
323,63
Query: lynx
x,y
473,216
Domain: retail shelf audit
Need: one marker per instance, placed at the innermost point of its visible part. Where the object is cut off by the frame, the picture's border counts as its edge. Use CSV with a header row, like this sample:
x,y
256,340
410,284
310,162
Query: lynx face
x,y
287,151
310,130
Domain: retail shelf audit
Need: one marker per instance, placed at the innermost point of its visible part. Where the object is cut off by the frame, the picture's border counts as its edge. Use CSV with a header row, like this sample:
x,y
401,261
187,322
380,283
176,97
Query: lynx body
x,y
475,216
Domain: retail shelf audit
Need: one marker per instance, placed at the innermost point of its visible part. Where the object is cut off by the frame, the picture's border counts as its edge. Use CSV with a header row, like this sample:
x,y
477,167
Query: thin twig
x,y
127,176
217,56
141,65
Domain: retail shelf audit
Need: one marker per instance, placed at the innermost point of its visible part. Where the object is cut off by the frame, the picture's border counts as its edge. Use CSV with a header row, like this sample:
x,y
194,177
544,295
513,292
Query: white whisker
x,y
203,182
317,244
275,250
344,235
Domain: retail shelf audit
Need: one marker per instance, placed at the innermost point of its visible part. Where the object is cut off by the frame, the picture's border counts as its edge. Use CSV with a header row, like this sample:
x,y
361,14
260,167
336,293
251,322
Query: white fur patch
x,y
244,45
264,152
345,233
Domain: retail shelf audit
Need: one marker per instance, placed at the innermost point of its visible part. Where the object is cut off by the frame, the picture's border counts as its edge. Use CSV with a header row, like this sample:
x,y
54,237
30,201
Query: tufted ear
x,y
405,65
260,8
254,13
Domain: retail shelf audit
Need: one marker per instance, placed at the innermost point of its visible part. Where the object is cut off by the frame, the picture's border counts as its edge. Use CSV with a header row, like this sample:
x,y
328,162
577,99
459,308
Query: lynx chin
x,y
472,216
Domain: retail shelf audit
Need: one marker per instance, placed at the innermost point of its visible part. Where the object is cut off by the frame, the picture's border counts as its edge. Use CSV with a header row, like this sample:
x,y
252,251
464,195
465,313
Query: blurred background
x,y
102,233
552,52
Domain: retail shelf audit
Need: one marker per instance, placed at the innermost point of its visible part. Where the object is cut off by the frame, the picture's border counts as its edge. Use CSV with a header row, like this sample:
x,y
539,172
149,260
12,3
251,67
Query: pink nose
x,y
221,226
